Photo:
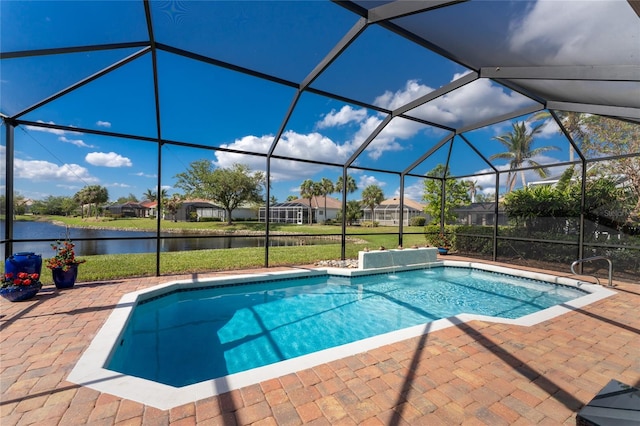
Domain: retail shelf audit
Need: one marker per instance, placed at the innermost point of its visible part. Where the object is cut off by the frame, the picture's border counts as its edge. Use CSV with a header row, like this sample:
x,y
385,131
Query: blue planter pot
x,y
443,250
26,261
65,279
18,293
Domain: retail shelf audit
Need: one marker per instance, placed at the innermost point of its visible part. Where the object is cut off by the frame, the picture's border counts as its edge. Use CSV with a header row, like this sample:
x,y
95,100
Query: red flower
x,y
20,278
64,257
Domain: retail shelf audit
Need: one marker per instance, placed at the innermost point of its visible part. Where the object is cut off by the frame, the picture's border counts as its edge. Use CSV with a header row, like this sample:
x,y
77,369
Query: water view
x,y
174,242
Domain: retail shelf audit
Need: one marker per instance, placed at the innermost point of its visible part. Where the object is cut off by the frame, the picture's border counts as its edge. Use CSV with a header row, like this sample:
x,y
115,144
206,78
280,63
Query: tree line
x,y
235,186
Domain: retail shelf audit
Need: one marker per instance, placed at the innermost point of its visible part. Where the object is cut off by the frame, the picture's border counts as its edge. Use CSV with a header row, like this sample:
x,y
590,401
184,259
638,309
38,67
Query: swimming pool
x,y
247,338
213,332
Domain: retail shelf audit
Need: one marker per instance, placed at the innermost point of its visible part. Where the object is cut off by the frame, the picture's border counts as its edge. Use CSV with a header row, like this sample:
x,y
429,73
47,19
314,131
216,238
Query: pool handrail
x,y
589,259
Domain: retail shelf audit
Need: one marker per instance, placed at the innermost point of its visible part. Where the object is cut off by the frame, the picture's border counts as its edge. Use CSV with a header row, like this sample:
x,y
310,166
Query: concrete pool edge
x,y
88,370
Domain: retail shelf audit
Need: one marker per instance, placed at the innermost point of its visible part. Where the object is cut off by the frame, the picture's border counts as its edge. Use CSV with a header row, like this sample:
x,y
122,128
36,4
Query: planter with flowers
x,y
19,286
64,265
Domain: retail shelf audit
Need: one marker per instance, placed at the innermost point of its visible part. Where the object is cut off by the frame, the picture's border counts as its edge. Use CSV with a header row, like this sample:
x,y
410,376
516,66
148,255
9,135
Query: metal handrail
x,y
589,259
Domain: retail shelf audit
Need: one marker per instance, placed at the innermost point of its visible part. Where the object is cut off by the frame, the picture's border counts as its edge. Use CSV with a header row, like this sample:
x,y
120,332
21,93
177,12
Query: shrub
x,y
417,221
474,240
210,219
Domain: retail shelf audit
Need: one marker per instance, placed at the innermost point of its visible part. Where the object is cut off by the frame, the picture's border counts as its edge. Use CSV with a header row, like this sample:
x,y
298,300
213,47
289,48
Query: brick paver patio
x,y
477,373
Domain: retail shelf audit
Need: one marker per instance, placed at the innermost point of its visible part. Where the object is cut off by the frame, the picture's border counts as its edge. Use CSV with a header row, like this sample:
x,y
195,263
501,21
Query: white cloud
x,y
101,123
469,101
69,187
142,174
414,192
346,115
549,129
323,148
39,170
117,185
577,33
58,132
76,142
247,143
107,159
488,182
387,140
411,91
291,144
366,180
473,102
45,129
282,170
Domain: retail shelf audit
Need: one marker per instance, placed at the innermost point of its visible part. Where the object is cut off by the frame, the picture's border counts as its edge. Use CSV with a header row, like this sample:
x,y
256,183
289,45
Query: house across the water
x,y
301,209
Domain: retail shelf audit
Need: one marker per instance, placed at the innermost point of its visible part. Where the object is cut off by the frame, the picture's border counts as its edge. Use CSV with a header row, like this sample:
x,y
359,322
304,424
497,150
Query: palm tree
x,y
573,122
519,151
326,187
98,195
473,188
80,197
307,191
92,194
172,205
152,195
351,185
372,195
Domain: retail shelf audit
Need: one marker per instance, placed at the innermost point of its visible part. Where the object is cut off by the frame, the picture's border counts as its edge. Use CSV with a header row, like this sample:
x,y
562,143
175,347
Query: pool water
x,y
186,337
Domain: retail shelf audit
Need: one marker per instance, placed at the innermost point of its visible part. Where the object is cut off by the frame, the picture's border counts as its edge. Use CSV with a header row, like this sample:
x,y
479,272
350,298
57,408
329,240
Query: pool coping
x,y
88,370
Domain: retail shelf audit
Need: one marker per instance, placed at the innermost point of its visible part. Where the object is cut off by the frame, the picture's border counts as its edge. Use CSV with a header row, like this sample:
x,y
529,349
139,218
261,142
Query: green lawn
x,y
166,225
110,267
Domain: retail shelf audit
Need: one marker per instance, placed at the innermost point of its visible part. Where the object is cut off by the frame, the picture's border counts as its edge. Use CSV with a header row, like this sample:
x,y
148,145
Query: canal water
x,y
175,242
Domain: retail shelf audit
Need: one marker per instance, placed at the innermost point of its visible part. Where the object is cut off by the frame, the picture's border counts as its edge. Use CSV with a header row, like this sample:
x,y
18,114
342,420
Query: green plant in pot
x,y
64,264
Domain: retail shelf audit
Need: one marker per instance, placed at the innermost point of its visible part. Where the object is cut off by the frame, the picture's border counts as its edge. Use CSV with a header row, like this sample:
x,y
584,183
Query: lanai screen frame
x,y
386,16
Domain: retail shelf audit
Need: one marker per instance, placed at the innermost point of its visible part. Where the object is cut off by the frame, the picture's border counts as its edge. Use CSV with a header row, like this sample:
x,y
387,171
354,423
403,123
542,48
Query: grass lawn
x,y
115,266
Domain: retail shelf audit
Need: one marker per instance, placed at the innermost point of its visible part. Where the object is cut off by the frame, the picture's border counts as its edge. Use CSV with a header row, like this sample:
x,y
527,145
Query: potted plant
x,y
64,264
442,243
19,286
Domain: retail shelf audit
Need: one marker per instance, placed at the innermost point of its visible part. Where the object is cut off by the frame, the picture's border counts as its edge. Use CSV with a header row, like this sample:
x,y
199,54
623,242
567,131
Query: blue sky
x,y
209,105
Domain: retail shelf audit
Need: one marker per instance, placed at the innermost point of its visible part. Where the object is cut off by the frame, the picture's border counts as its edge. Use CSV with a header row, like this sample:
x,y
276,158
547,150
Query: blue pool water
x,y
187,337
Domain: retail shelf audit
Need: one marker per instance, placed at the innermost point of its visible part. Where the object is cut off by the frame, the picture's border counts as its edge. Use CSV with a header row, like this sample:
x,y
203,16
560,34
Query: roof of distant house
x,y
395,203
316,202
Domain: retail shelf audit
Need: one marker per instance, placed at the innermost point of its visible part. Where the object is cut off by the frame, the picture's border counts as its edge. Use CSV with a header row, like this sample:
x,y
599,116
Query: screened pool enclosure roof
x,y
284,80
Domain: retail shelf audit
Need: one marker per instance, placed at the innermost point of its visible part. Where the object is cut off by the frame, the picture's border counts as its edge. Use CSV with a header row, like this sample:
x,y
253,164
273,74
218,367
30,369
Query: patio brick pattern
x,y
476,373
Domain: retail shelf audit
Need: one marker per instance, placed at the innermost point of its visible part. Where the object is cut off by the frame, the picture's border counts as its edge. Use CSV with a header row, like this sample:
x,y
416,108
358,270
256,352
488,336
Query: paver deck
x,y
474,373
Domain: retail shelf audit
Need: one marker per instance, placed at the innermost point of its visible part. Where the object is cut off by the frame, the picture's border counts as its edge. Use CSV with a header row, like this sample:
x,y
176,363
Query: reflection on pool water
x,y
242,330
